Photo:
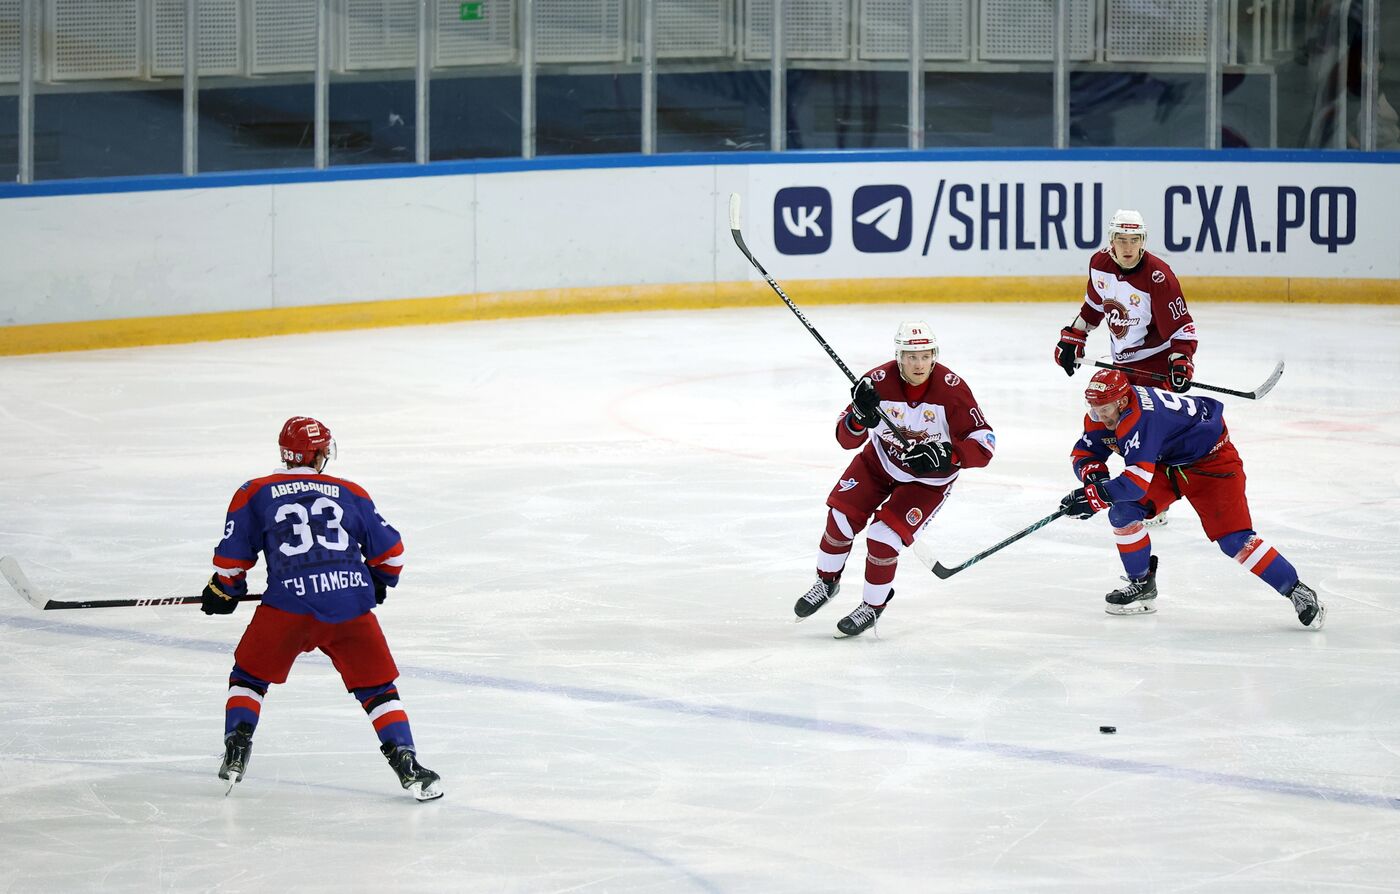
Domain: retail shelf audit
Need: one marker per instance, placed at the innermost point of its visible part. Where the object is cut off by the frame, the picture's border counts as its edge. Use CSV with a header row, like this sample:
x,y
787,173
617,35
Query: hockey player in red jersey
x,y
902,489
1137,296
330,559
1173,447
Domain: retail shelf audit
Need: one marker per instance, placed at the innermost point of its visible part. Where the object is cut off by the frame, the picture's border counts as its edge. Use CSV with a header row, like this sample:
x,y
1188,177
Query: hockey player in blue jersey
x,y
1172,446
331,558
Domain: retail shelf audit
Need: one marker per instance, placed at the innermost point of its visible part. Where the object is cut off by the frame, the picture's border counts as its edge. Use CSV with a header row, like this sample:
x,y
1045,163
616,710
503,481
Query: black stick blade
x,y
943,572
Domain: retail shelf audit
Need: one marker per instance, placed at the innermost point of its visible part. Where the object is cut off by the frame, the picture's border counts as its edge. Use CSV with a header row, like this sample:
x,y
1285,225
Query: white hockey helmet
x,y
915,335
1127,222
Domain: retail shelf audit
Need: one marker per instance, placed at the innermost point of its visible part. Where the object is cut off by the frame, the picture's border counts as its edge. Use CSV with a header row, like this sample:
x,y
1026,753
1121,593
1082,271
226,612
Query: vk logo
x,y
802,220
881,219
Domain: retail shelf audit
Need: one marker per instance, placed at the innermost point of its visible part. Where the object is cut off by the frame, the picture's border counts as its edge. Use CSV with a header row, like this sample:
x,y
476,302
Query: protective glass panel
x,y
474,94
96,111
371,108
9,138
257,104
585,101
708,98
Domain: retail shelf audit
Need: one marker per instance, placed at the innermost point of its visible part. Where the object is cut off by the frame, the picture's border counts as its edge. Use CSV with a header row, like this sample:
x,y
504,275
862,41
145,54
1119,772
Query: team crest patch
x,y
1098,284
952,379
847,484
877,376
1136,299
1158,276
914,516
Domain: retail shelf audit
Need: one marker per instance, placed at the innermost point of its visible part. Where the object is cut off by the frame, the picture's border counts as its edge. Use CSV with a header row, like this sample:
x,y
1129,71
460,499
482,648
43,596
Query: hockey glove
x,y
1093,473
381,592
865,403
929,459
1070,349
1180,372
1083,502
214,601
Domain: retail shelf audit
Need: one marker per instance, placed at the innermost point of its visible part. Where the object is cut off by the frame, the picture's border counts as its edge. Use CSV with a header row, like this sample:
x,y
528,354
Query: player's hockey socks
x,y
386,712
245,698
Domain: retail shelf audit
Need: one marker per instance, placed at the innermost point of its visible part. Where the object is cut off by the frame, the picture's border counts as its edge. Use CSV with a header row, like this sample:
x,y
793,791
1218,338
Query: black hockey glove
x,y
865,403
1180,373
214,601
929,459
1069,350
1083,502
381,592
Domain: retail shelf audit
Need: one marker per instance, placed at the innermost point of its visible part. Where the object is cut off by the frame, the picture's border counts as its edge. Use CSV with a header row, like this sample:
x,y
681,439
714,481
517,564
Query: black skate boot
x,y
238,750
412,775
821,593
1311,612
1138,597
863,618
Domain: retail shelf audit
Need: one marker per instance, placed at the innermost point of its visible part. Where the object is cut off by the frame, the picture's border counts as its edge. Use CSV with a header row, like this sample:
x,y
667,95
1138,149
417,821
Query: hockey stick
x,y
739,241
1257,393
11,571
943,572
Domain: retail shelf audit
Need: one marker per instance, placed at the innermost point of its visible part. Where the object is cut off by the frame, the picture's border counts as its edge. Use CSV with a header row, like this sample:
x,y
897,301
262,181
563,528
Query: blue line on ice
x,y
776,719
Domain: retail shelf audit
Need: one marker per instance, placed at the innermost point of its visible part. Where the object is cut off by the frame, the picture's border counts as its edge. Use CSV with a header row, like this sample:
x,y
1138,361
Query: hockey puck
x,y
1108,730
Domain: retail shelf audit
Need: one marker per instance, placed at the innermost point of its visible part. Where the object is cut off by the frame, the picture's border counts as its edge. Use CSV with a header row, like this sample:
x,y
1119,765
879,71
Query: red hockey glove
x,y
1084,502
1093,473
214,601
1070,349
1180,372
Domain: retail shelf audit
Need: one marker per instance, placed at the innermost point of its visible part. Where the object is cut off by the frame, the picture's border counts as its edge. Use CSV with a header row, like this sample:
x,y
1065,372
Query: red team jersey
x,y
1143,310
942,409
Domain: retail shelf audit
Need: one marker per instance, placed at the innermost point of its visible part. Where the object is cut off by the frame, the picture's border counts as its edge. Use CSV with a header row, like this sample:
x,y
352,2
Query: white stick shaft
x,y
733,211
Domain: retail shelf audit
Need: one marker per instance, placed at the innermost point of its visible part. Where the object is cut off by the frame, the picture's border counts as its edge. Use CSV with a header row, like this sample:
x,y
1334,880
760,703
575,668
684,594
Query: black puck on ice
x,y
1108,730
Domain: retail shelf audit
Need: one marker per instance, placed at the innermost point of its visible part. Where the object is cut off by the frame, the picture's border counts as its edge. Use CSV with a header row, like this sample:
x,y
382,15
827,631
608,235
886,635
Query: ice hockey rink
x,y
607,520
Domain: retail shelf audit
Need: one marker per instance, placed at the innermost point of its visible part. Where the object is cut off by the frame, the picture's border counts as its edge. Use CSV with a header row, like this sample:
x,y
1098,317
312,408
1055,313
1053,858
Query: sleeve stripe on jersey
x,y
1092,299
390,561
1141,474
982,437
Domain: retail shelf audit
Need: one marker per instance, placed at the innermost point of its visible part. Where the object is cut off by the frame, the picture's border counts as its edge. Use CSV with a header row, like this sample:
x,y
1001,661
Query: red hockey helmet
x,y
302,439
1108,386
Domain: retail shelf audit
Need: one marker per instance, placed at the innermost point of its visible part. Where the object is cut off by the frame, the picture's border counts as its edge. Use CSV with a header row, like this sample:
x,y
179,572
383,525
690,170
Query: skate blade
x,y
1136,608
430,791
232,780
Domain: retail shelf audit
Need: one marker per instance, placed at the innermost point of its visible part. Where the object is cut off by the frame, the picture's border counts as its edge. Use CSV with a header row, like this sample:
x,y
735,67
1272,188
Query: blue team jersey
x,y
324,541
1157,428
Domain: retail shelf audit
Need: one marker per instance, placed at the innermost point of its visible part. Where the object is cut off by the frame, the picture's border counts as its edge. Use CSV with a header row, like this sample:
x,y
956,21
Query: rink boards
x,y
151,260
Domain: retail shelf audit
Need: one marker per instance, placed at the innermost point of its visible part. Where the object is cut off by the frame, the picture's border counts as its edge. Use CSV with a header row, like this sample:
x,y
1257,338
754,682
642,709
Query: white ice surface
x,y
607,521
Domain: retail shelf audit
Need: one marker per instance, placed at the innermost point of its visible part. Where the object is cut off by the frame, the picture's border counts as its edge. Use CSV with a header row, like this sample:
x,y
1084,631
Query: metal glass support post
x,y
420,86
1061,74
321,115
1214,22
28,15
777,90
191,85
527,78
1370,74
1340,118
648,77
916,74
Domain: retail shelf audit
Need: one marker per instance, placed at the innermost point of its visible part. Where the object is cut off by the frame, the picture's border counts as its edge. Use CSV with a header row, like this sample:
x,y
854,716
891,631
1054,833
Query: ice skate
x,y
415,777
238,750
822,592
862,619
1138,597
1311,612
1157,521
